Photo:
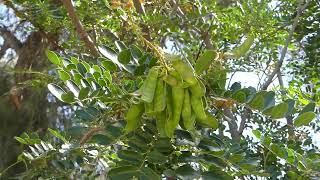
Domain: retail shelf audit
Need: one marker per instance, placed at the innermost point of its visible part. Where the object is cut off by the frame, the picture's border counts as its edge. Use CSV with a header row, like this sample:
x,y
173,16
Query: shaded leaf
x,y
84,93
156,157
269,100
131,156
135,52
124,172
129,172
120,45
290,103
186,172
84,115
67,97
81,68
216,174
235,86
101,139
308,107
124,56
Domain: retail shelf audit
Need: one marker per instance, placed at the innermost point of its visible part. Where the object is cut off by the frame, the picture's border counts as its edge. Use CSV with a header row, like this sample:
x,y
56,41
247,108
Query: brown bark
x,y
84,36
21,109
144,28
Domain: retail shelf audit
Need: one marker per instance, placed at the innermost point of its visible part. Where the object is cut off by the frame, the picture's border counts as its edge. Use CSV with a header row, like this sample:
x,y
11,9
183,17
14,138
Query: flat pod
x,y
148,109
177,102
188,121
169,79
149,86
161,123
210,121
185,70
198,108
204,61
198,89
244,47
160,96
133,117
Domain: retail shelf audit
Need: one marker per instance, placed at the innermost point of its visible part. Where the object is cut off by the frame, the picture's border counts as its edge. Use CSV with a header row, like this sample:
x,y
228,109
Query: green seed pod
x,y
175,74
197,107
177,100
204,61
210,121
149,109
169,79
149,86
198,89
160,96
244,47
161,123
169,110
188,121
185,70
133,117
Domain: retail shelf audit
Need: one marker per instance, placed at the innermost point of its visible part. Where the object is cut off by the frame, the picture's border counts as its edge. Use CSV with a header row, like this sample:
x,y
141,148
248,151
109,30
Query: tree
x,y
145,113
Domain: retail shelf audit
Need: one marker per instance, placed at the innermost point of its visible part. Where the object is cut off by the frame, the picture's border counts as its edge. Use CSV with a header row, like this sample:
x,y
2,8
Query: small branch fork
x,y
276,70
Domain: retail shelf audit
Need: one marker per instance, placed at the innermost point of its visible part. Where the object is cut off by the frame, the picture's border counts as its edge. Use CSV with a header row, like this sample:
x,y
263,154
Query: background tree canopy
x,y
142,89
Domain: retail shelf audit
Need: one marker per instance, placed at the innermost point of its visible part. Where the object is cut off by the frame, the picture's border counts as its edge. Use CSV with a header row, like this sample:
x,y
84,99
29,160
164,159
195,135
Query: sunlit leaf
x,y
304,119
53,57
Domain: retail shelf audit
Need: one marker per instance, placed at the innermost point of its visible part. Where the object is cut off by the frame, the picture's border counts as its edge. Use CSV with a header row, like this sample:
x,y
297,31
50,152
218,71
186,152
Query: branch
x,y
289,119
232,124
177,8
284,50
89,134
79,27
140,9
244,118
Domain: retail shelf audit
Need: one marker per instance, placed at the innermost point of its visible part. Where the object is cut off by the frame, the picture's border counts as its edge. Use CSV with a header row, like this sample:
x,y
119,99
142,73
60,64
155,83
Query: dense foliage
x,y
147,88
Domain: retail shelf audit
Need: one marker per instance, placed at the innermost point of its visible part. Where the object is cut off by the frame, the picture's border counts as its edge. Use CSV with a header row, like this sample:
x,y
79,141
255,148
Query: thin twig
x,y
89,134
301,7
206,40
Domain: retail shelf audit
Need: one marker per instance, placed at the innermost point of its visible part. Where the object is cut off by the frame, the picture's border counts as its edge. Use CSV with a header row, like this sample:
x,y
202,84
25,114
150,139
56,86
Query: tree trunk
x,y
21,109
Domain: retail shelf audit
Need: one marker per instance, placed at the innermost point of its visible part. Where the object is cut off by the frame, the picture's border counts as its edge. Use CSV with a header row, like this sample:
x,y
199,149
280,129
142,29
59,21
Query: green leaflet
x,y
304,119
